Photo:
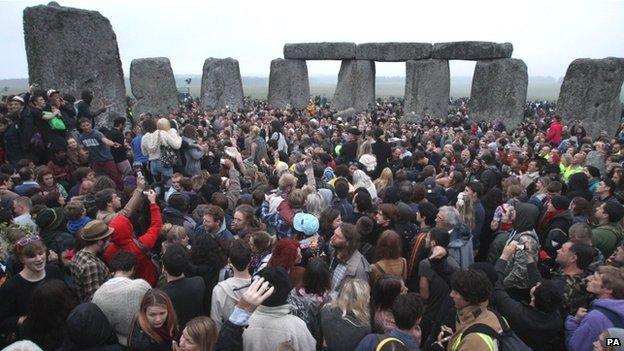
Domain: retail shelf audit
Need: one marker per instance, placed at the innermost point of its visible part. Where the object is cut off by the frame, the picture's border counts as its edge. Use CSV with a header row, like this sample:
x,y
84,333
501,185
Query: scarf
x,y
165,335
548,216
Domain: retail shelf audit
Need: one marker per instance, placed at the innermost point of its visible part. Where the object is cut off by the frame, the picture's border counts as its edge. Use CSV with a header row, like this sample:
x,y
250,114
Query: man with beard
x,y
346,261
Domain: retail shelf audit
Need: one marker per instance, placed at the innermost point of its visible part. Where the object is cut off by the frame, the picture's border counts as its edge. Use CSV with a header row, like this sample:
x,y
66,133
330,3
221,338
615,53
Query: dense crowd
x,y
312,229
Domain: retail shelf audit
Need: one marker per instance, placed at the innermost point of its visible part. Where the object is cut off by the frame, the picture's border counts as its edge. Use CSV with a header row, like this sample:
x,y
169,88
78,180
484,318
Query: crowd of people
x,y
284,229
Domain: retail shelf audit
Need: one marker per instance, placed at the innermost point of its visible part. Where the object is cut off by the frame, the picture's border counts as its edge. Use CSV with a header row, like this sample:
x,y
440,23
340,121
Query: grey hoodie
x,y
225,296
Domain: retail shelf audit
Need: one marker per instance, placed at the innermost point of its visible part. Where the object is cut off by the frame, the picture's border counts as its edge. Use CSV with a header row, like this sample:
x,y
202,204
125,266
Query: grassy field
x,y
257,88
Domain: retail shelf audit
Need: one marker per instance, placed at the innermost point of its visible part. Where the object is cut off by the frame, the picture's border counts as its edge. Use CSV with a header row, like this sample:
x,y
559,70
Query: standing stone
x,y
356,85
427,87
221,86
289,83
471,50
393,52
591,93
320,51
499,89
73,50
153,86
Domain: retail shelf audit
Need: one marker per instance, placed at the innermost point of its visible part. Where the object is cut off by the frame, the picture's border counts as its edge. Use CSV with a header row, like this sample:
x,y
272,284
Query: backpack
x,y
507,340
169,157
384,339
460,248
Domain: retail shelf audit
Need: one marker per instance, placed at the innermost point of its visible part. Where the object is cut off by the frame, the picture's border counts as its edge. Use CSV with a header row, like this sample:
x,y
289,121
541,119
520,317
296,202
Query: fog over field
x,y
540,88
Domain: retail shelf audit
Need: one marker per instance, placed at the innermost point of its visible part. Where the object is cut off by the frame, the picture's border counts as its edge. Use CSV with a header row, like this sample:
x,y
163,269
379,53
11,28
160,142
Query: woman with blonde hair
x,y
385,180
200,334
465,206
346,320
174,234
155,326
159,136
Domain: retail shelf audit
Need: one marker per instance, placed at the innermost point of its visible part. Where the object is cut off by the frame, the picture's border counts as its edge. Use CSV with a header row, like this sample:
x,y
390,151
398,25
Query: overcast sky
x,y
546,34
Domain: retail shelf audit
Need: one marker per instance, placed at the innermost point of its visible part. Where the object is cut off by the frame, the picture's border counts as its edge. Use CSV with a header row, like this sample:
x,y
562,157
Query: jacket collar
x,y
274,312
469,313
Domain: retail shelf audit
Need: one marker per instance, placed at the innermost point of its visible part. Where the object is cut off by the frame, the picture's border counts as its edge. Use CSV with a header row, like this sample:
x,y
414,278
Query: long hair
x,y
284,254
466,211
326,221
251,220
155,297
352,300
385,179
203,331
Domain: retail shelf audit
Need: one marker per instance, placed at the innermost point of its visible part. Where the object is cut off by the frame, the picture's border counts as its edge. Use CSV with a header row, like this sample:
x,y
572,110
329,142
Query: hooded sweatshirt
x,y
581,335
123,239
88,329
225,296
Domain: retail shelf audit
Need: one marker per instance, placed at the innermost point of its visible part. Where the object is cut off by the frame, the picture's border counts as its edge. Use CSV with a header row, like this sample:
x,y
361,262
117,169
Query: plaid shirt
x,y
89,273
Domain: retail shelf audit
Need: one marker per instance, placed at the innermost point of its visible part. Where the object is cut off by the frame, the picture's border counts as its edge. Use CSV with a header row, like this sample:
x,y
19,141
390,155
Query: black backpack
x,y
507,340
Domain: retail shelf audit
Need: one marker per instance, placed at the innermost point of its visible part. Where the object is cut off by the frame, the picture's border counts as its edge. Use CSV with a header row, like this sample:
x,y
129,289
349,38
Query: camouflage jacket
x,y
516,272
575,293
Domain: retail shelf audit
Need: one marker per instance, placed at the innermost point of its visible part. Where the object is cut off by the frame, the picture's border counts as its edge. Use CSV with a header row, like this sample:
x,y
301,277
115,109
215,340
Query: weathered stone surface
x,y
591,93
320,51
356,85
346,115
393,52
499,89
73,50
153,86
471,50
221,84
427,87
289,83
410,117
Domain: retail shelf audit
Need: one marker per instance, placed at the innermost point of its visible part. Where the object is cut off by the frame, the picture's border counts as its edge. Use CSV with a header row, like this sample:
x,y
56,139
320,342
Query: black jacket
x,y
539,330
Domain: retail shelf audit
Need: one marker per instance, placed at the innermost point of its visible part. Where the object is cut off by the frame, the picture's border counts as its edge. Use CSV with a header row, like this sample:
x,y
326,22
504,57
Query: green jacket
x,y
607,237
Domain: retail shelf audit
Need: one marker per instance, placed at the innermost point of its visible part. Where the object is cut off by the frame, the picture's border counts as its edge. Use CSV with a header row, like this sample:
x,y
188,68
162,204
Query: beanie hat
x,y
277,278
560,202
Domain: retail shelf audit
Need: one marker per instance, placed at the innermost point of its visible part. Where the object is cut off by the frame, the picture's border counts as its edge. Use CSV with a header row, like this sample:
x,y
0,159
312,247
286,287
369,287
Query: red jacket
x,y
121,239
554,132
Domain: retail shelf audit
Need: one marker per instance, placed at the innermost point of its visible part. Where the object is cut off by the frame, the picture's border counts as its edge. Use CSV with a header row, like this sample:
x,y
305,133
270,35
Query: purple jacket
x,y
581,335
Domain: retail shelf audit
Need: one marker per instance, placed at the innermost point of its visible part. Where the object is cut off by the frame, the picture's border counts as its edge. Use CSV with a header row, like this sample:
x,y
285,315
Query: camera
x,y
520,247
145,192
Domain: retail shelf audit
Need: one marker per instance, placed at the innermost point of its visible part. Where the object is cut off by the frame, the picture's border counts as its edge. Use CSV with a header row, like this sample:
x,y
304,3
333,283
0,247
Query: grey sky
x,y
546,34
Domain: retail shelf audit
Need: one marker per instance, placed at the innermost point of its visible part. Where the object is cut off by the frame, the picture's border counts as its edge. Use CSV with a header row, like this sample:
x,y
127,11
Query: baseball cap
x,y
306,223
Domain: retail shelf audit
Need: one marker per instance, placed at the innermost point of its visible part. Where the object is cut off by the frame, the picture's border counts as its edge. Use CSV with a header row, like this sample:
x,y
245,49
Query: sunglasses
x,y
25,241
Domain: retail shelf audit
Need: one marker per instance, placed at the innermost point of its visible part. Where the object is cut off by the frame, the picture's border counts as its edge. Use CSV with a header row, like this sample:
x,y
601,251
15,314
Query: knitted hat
x,y
560,202
278,278
49,219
